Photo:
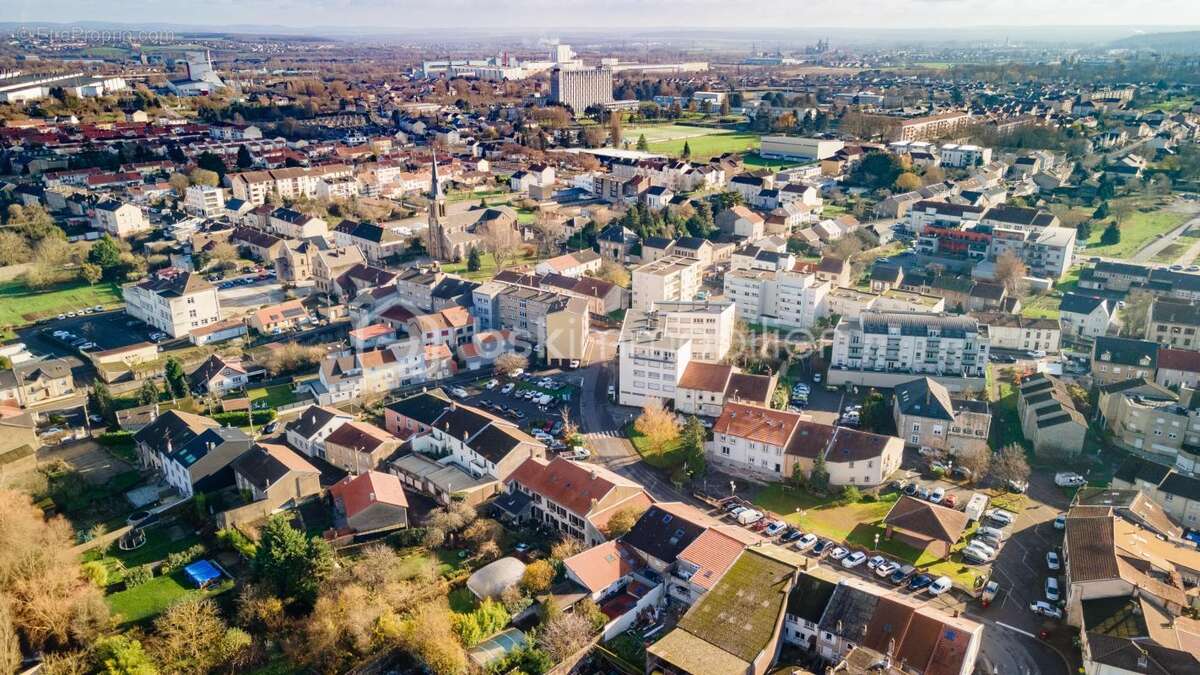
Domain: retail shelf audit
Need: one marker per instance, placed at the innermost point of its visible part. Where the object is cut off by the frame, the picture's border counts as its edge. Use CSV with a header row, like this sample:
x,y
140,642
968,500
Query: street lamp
x,y
876,549
732,488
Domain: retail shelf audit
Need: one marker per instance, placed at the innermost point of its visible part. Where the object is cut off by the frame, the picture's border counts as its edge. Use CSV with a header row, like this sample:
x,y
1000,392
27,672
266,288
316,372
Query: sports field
x,y
20,305
668,139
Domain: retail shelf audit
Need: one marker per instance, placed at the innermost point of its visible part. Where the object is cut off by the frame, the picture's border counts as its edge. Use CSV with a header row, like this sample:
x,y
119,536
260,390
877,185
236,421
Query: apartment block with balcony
x,y
1153,421
888,348
783,298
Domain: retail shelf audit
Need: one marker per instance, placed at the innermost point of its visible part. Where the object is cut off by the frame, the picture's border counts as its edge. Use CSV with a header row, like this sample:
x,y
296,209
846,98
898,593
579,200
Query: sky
x,y
611,14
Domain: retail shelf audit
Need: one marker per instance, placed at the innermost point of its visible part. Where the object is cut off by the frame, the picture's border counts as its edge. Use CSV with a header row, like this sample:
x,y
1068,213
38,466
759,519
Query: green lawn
x,y
666,459
856,525
1006,426
668,139
1171,253
277,395
487,268
151,598
158,546
1041,307
20,305
1140,229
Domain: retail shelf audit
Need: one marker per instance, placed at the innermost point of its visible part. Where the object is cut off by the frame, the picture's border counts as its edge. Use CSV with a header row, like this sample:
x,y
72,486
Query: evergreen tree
x,y
1111,235
473,261
176,379
105,253
1101,211
102,401
290,564
244,161
642,144
148,393
687,150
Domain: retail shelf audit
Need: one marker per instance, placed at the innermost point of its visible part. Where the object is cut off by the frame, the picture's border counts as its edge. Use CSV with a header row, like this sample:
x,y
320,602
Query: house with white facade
x,y
173,301
307,433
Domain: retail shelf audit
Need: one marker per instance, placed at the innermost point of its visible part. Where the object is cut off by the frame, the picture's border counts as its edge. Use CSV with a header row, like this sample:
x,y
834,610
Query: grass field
x,y
1041,307
667,459
280,394
1140,229
20,305
1171,253
668,139
487,268
151,598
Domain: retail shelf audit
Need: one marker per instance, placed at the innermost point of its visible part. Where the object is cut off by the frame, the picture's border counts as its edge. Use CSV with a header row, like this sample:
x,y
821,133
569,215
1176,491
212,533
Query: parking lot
x,y
525,402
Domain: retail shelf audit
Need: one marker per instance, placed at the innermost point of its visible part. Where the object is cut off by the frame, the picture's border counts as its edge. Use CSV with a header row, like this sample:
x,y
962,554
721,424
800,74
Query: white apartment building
x,y
347,377
173,301
656,346
708,324
886,348
666,279
343,187
204,200
785,299
120,219
291,182
295,225
651,362
960,156
581,88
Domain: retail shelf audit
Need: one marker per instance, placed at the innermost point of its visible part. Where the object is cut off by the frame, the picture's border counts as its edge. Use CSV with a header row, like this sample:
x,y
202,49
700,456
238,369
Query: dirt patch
x,y
87,457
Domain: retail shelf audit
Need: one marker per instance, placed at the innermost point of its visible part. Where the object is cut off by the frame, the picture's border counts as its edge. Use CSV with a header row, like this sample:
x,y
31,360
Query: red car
x,y
761,525
950,500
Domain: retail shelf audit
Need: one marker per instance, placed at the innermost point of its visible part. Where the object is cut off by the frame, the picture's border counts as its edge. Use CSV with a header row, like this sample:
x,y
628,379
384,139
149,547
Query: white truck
x,y
975,507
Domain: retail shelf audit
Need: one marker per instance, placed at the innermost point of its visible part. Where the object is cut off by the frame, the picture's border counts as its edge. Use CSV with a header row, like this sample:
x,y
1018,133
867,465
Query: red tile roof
x,y
601,566
356,493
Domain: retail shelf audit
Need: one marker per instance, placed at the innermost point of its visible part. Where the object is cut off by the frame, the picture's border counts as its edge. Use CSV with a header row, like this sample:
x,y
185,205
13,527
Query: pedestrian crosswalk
x,y
605,433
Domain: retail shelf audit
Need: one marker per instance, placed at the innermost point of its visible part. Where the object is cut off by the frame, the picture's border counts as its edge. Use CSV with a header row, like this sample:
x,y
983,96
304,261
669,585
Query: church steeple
x,y
437,213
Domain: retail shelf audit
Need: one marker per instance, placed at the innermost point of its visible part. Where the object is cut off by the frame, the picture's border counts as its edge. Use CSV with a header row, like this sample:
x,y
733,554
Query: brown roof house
x,y
358,446
575,499
925,526
275,477
704,387
370,502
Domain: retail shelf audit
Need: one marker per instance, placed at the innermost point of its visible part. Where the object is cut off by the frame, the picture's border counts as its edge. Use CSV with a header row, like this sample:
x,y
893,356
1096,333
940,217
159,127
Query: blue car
x,y
792,534
920,581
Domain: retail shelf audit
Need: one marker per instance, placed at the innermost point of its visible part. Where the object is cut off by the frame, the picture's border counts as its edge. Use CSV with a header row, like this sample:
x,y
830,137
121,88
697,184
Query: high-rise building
x,y
581,88
562,54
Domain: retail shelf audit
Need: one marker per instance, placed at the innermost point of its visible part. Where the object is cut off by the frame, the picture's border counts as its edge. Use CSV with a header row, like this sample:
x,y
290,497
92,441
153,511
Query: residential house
x,y
1116,359
28,384
218,375
740,221
1176,492
275,319
120,219
358,447
192,453
1173,323
1019,333
1152,420
369,502
1086,317
705,387
927,417
572,265
275,474
1178,368
307,433
573,498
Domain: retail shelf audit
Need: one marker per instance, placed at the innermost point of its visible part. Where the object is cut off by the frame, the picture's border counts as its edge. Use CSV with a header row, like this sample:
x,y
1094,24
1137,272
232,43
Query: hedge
x,y
113,439
242,419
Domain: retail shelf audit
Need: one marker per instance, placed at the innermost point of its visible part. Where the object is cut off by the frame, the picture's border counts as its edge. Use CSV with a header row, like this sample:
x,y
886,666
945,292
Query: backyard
x,y
487,268
19,304
704,142
666,459
274,396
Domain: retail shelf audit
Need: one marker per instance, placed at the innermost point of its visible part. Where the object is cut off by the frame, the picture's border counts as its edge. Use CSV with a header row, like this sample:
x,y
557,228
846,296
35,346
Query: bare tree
x,y
503,242
1135,315
1010,464
1011,272
564,634
548,230
509,363
976,460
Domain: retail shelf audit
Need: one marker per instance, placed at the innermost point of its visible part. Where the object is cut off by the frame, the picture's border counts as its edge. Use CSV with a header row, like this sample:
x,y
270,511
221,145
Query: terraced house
x,y
927,417
1173,323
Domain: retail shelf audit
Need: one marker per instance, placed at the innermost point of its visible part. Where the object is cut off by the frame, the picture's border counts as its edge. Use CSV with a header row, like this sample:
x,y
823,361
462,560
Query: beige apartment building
x,y
1173,323
1013,331
1150,419
669,278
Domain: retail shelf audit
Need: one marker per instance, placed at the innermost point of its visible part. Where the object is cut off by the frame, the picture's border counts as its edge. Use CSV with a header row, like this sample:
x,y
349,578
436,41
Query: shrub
x,y
115,439
242,419
406,538
233,539
138,576
851,494
96,572
180,559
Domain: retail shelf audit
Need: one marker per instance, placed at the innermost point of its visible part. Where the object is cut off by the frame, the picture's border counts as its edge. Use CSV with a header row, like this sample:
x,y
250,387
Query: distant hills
x,y
1180,42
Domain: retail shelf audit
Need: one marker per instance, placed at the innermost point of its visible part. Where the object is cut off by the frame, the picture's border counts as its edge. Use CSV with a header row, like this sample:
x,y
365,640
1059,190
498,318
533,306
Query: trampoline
x,y
202,573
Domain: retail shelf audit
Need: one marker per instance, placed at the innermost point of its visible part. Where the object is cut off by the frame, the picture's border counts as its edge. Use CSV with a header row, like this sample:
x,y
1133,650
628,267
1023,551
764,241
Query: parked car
x,y
977,556
919,582
491,384
1069,479
1052,561
950,501
1060,521
1052,589
904,572
749,517
982,545
737,510
875,561
838,553
792,534
822,547
910,489
1043,608
992,533
885,569
806,542
506,389
578,454
1004,518
458,392
940,585
854,559
937,495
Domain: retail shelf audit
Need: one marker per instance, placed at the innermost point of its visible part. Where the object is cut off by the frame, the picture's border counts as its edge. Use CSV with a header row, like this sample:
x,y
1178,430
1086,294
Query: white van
x,y
976,505
545,399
